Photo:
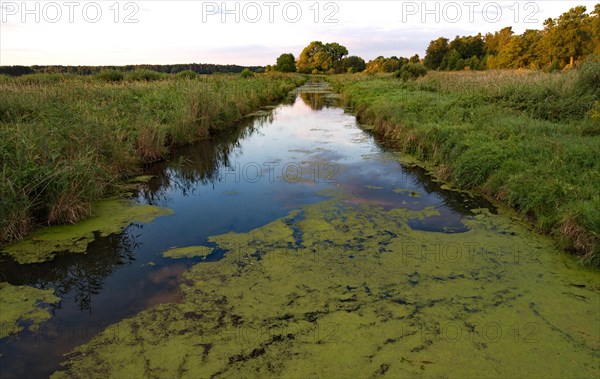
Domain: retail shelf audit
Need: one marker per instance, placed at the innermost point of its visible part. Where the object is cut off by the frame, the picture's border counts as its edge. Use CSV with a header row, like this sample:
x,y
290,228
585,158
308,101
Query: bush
x,y
246,73
143,75
187,74
411,71
588,79
110,76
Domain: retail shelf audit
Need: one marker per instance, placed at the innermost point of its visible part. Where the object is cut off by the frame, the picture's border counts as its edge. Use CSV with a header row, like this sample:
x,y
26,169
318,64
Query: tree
x,y
451,61
520,52
435,53
336,53
321,57
353,64
493,43
305,63
568,36
414,59
285,63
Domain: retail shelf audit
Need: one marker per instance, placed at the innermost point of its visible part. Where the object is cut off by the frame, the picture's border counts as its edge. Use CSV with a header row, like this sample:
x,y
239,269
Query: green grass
x,y
65,140
528,139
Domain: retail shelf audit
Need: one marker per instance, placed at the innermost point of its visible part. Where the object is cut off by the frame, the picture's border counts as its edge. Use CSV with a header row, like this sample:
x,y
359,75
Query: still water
x,y
278,160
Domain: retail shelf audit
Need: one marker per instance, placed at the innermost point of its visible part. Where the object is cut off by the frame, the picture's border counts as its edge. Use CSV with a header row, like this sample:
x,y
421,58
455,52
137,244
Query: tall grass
x,y
529,139
65,139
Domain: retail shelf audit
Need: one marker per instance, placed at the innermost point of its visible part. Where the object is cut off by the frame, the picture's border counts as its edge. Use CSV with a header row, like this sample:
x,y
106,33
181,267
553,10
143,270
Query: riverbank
x,y
67,140
527,139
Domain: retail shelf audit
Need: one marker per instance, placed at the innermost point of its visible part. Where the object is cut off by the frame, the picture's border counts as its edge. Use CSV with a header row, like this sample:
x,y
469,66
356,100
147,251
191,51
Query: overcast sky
x,y
101,32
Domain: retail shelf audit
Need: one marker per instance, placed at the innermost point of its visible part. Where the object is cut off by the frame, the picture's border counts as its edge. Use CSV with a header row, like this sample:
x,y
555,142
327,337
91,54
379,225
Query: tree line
x,y
566,40
198,68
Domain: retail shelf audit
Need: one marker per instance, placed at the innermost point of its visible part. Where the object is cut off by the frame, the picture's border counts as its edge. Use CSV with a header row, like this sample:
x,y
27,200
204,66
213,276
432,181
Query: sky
x,y
114,32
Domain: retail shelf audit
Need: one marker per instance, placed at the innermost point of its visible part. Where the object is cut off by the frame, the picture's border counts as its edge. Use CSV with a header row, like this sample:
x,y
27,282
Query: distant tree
x,y
382,64
451,61
566,38
306,61
337,53
285,63
594,28
435,53
353,64
319,57
520,51
414,59
492,43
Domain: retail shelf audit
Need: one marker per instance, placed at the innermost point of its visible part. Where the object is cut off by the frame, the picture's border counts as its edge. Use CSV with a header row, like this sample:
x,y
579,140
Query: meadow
x,y
528,139
68,140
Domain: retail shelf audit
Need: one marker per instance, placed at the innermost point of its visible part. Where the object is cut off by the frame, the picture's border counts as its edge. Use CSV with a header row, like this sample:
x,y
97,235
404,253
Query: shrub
x,y
411,71
110,76
187,74
246,73
143,75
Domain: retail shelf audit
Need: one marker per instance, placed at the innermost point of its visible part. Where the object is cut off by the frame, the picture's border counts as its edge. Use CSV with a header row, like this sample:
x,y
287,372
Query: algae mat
x,y
22,305
344,290
109,216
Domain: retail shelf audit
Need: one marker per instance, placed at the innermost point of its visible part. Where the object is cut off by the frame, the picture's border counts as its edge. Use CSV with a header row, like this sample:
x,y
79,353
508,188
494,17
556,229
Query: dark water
x,y
271,163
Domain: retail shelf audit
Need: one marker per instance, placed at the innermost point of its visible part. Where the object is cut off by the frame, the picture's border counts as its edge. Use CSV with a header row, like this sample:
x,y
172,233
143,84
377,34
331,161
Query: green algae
x,y
411,193
345,290
188,252
23,304
109,216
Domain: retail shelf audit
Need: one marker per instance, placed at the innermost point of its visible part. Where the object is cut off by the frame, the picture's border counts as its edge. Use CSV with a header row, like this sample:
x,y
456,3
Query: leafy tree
x,y
567,36
467,46
285,63
435,53
336,52
382,64
353,64
414,59
451,61
319,57
492,43
520,51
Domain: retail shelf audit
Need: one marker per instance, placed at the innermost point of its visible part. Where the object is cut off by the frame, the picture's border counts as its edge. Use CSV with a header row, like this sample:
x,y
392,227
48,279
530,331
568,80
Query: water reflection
x,y
202,163
319,100
75,276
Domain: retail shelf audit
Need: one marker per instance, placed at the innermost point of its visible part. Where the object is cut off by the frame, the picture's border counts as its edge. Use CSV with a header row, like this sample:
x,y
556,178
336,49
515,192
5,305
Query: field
x,y
67,140
528,139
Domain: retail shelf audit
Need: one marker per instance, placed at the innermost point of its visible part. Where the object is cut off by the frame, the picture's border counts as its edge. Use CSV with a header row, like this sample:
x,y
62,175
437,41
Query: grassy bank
x,y
528,139
67,140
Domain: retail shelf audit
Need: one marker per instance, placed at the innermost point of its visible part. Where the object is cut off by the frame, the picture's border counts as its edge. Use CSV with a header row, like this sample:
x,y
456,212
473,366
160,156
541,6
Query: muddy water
x,y
329,258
